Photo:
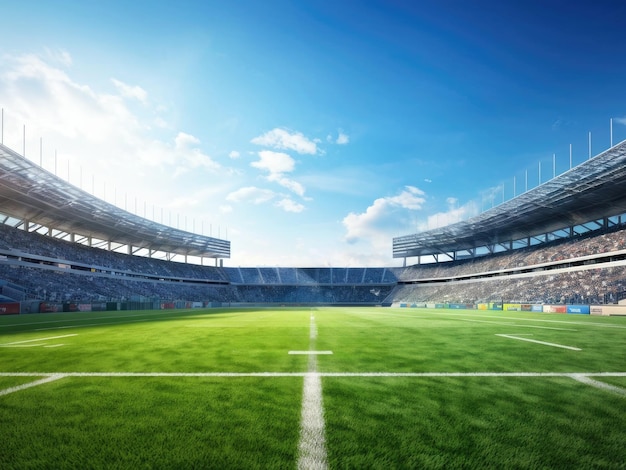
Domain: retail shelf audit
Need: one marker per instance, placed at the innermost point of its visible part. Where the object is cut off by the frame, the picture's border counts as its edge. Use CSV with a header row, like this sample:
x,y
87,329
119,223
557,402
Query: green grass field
x,y
330,388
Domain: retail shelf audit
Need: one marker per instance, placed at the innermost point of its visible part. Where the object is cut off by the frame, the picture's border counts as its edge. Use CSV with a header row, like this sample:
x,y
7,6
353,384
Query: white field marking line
x,y
90,324
540,342
129,321
500,317
53,345
514,324
38,339
602,385
304,374
312,445
47,379
87,316
312,353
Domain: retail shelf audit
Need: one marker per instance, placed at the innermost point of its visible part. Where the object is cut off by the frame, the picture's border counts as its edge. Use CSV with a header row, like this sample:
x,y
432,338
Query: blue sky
x,y
310,133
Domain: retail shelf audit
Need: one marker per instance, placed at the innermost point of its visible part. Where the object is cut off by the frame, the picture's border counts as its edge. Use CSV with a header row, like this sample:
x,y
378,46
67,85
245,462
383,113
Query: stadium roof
x,y
593,190
33,194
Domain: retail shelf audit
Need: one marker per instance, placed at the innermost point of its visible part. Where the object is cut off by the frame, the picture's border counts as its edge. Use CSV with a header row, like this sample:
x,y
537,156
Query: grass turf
x,y
253,422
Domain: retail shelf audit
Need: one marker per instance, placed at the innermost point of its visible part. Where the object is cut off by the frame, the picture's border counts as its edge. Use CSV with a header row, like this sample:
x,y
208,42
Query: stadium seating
x,y
35,266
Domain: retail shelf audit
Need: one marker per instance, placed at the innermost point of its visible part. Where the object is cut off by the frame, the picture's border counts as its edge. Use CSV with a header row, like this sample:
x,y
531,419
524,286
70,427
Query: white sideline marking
x,y
312,445
311,352
521,326
500,317
50,378
38,339
596,383
541,342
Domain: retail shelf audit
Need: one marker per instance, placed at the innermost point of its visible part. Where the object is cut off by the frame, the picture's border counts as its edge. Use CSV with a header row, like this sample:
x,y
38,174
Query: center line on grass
x,y
312,446
541,342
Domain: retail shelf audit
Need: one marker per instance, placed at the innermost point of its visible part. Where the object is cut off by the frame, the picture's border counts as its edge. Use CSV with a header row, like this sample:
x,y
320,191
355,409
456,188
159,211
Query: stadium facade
x,y
62,248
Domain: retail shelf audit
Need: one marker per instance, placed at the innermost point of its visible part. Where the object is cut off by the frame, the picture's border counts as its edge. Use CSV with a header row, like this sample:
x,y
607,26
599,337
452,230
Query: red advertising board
x,y
12,308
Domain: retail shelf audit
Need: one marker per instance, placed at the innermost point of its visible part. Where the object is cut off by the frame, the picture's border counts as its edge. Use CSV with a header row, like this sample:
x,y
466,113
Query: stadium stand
x,y
562,242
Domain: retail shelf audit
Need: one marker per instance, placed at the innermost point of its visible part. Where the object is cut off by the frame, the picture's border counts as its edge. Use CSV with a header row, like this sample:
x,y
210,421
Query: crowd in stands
x,y
310,276
20,242
36,266
559,250
45,268
597,284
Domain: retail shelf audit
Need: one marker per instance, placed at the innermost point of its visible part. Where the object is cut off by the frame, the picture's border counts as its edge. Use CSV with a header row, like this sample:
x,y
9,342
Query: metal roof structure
x,y
36,196
593,190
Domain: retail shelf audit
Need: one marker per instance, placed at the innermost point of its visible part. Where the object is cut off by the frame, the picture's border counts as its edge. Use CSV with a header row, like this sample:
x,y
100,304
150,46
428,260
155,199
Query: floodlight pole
x,y
570,156
526,181
611,127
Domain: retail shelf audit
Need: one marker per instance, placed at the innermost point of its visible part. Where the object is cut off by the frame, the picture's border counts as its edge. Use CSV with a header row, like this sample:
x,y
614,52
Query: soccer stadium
x,y
498,344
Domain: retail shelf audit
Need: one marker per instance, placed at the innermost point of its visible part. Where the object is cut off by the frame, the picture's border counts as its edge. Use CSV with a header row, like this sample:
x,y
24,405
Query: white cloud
x,y
277,164
289,205
251,194
453,215
128,91
187,156
342,138
59,56
620,120
234,155
291,185
284,140
274,162
184,140
385,216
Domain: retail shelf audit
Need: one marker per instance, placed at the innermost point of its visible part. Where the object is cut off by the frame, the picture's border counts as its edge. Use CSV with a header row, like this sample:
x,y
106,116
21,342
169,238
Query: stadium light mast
x,y
611,128
526,190
570,156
